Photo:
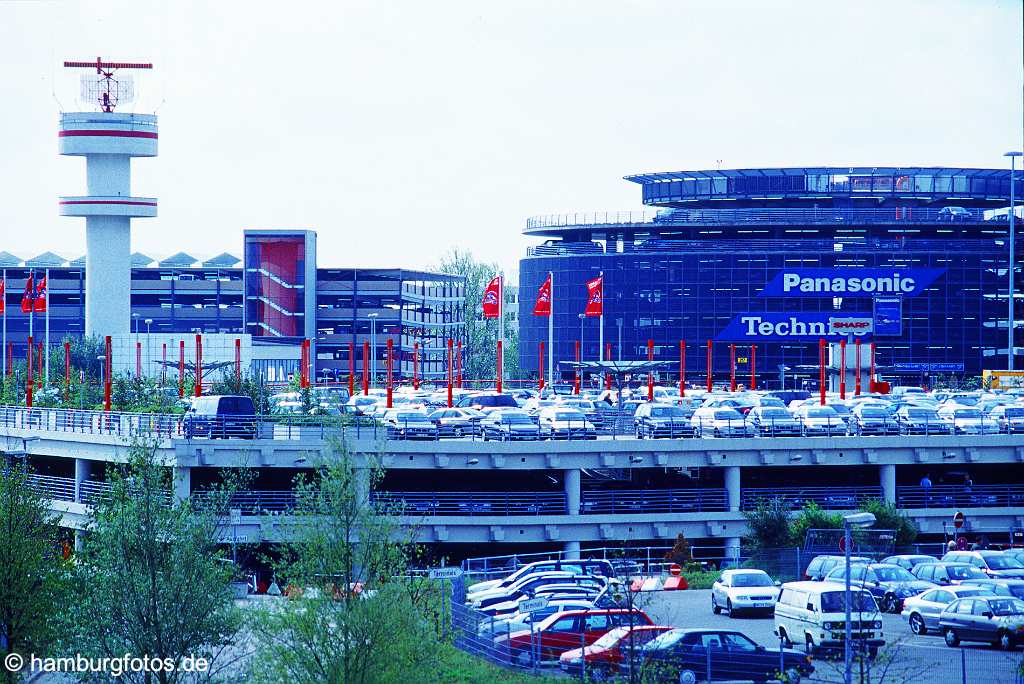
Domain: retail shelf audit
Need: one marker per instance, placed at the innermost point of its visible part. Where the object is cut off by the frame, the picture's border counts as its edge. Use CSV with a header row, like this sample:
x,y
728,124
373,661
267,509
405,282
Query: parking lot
x,y
906,657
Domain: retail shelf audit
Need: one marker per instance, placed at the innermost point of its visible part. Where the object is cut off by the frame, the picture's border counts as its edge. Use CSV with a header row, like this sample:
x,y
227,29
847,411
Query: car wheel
x,y
1004,642
639,433
917,625
952,640
486,438
522,658
687,677
715,608
728,606
890,604
784,638
809,644
791,675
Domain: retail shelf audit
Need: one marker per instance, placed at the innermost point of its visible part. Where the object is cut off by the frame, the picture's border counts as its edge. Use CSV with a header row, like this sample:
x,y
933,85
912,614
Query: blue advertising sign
x,y
850,282
888,316
796,327
938,367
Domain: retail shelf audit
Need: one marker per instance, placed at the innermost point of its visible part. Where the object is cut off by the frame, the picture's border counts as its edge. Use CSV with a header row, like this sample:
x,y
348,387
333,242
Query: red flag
x,y
595,297
40,303
543,305
26,297
492,298
3,294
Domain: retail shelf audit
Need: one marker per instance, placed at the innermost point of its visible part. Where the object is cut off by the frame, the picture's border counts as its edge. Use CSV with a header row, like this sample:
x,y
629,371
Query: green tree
x,y
152,578
481,335
350,618
812,517
888,517
31,568
768,523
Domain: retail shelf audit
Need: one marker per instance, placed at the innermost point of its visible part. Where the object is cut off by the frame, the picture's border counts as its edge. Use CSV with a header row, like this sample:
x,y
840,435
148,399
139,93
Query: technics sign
x,y
801,326
837,282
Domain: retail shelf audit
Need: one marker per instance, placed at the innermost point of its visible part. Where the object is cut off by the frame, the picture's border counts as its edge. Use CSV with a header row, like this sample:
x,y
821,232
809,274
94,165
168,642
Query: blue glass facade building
x,y
914,259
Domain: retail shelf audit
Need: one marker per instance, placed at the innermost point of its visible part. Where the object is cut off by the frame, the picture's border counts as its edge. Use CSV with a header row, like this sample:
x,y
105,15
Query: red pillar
x,y
458,365
181,369
821,369
303,363
709,365
67,370
856,363
499,360
351,369
138,359
682,368
540,368
753,366
732,367
450,372
608,357
366,368
108,372
650,374
39,363
576,384
238,359
415,365
871,374
28,377
199,365
842,369
391,371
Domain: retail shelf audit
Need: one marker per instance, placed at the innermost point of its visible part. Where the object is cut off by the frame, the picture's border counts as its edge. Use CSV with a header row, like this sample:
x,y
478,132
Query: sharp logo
x,y
794,282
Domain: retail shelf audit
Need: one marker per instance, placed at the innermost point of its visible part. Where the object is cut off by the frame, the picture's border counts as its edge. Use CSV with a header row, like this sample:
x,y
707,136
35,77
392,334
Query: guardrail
x,y
475,503
691,500
59,488
960,496
832,498
664,245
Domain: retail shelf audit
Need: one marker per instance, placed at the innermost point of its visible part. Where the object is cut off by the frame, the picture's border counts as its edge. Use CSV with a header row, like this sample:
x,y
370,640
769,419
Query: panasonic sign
x,y
851,282
795,327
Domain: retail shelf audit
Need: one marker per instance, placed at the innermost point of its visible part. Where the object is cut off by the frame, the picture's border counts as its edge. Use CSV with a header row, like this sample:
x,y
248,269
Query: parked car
x,y
404,424
486,402
947,573
997,620
1000,587
587,591
995,564
774,420
922,611
682,655
720,422
919,420
563,423
606,657
223,416
744,590
662,420
565,631
966,420
1010,419
599,567
820,420
822,565
872,420
585,406
907,561
814,614
509,426
519,621
456,422
891,585
954,214
521,587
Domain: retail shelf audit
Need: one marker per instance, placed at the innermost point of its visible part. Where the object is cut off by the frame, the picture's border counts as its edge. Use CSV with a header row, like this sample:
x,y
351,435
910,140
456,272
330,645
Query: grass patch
x,y
702,579
459,667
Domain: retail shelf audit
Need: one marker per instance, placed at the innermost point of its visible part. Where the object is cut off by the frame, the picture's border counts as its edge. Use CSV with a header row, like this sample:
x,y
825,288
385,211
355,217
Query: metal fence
x,y
832,498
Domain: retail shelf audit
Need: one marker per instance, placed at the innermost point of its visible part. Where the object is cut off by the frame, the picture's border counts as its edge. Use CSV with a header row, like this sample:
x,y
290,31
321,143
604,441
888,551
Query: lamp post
x,y
149,358
582,318
618,322
373,347
1013,211
859,520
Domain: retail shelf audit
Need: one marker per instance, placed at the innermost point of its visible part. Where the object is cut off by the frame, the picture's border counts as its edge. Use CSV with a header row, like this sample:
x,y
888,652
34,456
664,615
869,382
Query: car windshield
x,y
1007,606
832,602
823,412
667,412
752,579
665,640
1003,563
873,413
894,574
922,414
774,413
569,415
967,413
516,418
961,572
409,416
611,637
728,414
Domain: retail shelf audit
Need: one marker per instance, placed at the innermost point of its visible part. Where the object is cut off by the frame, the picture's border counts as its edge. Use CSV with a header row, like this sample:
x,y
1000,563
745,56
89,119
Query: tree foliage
x,y
31,567
888,517
768,524
812,517
151,578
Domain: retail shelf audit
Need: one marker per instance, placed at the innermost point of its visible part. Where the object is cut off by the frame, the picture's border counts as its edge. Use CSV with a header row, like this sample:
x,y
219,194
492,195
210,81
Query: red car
x,y
606,656
566,630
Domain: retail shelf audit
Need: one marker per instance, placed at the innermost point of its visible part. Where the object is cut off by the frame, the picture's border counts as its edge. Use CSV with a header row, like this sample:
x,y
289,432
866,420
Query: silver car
x,y
922,611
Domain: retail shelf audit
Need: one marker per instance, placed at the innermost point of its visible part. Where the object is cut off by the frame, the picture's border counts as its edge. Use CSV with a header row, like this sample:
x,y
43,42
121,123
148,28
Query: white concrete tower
x,y
108,140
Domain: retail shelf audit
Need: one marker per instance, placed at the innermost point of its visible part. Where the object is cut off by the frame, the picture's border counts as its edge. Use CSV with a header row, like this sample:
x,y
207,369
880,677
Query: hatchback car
x,y
997,620
744,590
922,612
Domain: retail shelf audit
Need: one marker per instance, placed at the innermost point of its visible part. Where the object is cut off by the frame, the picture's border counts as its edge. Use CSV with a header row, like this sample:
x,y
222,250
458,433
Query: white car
x,y
566,423
519,621
967,420
821,420
744,590
720,422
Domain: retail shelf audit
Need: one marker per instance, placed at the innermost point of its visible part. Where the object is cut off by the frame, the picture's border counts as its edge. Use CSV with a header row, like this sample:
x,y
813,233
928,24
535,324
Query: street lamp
x,y
1013,211
135,321
373,346
858,520
149,355
618,322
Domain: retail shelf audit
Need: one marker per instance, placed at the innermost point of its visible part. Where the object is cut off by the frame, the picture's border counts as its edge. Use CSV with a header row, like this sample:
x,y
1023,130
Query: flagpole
x,y
501,329
31,301
3,304
551,332
46,304
600,323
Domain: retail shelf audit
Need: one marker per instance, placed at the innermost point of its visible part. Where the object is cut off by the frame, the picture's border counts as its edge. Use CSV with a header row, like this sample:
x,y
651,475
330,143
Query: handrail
x,y
691,500
836,498
474,503
960,496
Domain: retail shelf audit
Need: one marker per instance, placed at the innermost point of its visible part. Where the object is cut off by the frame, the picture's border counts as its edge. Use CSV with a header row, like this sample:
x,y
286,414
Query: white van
x,y
813,614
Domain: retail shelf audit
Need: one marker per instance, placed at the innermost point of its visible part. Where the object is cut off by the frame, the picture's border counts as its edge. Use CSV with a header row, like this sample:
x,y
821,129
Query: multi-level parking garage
x,y
465,495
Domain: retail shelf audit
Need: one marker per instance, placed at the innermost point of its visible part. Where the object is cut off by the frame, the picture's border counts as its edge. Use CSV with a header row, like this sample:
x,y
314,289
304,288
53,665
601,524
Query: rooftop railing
x,y
832,498
845,245
690,500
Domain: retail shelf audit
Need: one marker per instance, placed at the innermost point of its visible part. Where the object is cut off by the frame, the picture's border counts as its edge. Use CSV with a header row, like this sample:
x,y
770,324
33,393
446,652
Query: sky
x,y
399,130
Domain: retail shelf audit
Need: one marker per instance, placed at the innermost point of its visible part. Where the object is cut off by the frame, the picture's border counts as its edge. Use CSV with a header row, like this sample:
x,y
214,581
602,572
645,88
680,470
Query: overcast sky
x,y
400,129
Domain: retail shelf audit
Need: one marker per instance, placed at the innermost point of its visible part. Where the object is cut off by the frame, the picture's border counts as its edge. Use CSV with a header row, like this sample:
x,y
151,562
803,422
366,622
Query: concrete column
x,y
573,492
888,481
732,486
732,548
83,469
572,549
182,482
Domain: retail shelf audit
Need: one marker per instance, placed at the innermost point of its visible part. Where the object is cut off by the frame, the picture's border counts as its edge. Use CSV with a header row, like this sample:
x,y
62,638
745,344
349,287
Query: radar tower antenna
x,y
107,91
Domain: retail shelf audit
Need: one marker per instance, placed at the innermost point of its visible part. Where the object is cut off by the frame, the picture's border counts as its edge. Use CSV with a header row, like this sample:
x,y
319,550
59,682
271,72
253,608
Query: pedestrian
x,y
926,482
